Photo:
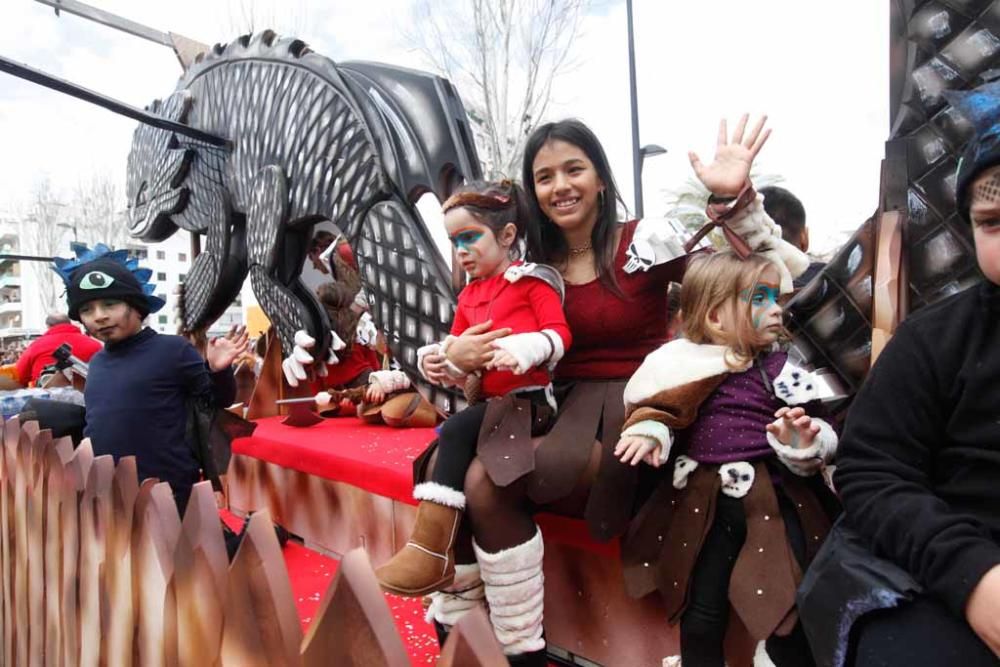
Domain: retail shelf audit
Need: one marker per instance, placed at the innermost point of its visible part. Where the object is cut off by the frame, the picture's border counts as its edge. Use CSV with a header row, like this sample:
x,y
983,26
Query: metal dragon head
x,y
157,167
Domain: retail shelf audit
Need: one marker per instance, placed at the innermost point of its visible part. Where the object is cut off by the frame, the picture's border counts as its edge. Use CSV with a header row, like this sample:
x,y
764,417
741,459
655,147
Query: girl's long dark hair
x,y
550,245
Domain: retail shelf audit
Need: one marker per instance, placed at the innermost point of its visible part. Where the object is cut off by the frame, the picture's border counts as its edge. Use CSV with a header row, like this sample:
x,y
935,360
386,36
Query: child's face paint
x,y
765,311
110,320
985,214
477,247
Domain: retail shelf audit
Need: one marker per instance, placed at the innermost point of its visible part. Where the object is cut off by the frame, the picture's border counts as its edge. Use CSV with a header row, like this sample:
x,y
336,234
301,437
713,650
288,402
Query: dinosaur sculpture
x,y
308,141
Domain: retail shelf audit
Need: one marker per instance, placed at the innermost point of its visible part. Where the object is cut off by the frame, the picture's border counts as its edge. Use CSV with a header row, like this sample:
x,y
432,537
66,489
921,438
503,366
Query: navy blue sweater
x,y
136,398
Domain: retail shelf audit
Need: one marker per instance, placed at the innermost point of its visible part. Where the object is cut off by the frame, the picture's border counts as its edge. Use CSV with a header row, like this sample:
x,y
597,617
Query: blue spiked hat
x,y
981,107
102,273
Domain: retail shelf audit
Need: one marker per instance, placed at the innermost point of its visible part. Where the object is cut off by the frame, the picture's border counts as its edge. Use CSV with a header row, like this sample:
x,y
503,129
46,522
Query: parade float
x,y
262,142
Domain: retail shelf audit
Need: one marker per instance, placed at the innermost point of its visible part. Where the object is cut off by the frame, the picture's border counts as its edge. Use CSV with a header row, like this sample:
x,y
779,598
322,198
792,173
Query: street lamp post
x,y
636,152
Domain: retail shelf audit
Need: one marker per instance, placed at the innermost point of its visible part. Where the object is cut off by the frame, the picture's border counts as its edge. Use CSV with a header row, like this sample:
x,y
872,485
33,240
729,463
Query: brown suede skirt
x,y
554,454
665,540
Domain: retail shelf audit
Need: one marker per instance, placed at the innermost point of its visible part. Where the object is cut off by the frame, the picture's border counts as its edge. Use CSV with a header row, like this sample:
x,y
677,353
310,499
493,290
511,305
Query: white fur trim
x,y
677,363
807,461
466,592
456,373
515,591
390,380
440,494
737,478
654,242
433,348
683,468
763,235
655,430
529,349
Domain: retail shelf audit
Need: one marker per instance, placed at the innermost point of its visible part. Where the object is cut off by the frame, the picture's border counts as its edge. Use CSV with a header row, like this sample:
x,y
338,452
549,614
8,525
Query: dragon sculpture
x,y
308,141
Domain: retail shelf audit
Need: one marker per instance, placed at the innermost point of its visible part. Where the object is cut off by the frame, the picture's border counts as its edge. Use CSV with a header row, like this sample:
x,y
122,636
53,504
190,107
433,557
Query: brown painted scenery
x,y
96,569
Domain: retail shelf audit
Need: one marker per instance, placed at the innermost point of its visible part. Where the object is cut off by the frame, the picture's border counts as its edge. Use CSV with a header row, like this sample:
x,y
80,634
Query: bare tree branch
x,y
503,56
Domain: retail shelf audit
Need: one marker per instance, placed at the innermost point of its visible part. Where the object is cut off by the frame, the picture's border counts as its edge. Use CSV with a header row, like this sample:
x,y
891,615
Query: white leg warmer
x,y
466,592
516,594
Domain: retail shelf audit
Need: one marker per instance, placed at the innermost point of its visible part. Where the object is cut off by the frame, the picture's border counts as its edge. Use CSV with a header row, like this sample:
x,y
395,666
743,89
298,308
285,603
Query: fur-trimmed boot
x,y
450,604
427,562
515,592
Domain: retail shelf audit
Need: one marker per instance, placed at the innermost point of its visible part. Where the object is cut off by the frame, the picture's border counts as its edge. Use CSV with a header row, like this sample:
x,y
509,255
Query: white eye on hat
x,y
96,280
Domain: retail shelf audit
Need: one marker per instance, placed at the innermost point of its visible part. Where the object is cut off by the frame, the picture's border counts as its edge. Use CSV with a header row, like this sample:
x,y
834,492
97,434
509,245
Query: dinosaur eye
x,y
96,280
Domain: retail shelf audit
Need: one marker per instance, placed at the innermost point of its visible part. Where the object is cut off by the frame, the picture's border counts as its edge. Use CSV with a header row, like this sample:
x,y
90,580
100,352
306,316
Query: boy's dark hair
x,y
493,204
552,247
785,209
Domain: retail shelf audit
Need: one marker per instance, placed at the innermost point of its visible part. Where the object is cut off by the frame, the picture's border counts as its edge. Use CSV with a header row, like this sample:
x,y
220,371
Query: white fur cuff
x,y
655,430
531,349
433,348
440,494
390,381
807,461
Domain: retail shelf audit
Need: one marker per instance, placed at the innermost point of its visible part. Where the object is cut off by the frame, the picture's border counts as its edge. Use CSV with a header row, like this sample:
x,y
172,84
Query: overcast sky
x,y
819,70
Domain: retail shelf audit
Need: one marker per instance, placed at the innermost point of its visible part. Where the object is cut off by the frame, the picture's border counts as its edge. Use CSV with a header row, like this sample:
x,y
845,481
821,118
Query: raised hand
x,y
222,352
793,428
730,169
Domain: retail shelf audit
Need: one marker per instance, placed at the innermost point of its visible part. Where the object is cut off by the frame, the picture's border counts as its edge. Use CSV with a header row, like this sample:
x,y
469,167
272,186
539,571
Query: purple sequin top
x,y
730,423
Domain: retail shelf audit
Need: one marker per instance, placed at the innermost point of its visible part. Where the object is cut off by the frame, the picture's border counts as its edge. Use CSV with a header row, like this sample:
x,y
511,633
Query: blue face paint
x,y
465,239
761,297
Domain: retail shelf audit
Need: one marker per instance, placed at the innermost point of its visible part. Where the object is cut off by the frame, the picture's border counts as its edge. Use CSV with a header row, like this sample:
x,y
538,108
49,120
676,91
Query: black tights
x,y
502,517
704,622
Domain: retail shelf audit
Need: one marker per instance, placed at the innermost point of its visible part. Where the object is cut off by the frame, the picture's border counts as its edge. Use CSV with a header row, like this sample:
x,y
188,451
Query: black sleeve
x,y
219,387
885,471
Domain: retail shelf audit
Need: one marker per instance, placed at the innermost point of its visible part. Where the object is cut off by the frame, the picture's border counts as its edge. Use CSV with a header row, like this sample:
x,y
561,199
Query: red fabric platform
x,y
378,459
375,458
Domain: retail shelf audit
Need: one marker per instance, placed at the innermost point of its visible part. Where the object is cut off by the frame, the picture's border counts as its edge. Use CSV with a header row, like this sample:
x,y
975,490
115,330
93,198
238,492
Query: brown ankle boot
x,y
427,562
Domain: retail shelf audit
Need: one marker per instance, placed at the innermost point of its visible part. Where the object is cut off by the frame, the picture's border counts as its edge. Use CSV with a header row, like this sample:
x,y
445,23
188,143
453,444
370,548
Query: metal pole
x,y
55,83
636,154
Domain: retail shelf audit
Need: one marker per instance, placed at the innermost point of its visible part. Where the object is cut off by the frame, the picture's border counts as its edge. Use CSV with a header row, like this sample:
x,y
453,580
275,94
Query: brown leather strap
x,y
766,575
609,505
563,455
693,517
505,447
719,216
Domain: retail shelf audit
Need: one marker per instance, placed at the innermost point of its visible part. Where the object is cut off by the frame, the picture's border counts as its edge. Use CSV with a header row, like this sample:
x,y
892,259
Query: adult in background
x,y
59,330
787,210
617,278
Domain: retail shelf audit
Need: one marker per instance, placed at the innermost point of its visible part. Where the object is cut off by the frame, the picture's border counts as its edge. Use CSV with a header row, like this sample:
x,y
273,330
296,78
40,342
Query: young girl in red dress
x,y
484,222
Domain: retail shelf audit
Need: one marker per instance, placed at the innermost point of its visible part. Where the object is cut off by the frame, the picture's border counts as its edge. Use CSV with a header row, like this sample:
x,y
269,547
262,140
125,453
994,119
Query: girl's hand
x,y
374,393
793,428
632,449
472,350
730,169
222,352
433,367
503,361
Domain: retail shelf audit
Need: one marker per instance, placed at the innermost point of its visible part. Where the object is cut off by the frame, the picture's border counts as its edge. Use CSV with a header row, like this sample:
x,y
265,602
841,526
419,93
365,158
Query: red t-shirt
x,y
527,305
612,336
38,355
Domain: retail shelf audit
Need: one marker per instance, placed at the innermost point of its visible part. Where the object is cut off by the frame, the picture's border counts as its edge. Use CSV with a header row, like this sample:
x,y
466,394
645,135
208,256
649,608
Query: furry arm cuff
x,y
655,430
454,372
807,461
763,235
390,381
533,349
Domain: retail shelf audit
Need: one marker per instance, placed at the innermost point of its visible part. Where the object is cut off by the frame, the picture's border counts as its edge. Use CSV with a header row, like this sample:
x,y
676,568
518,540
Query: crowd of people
x,y
705,452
